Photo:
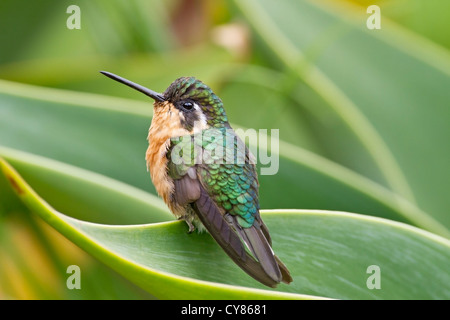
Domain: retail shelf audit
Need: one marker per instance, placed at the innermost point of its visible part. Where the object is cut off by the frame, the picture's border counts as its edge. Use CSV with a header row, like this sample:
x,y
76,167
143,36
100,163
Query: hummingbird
x,y
212,190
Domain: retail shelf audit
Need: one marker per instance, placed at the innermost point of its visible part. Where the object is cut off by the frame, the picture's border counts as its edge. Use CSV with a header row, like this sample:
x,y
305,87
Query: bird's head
x,y
193,106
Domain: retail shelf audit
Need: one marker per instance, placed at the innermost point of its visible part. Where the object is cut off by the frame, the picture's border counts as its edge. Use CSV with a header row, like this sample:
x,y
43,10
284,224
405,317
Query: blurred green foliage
x,y
363,114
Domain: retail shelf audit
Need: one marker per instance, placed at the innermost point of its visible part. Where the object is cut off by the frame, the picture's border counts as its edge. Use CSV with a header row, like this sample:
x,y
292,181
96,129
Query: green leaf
x,y
388,87
328,254
426,19
256,97
84,194
107,27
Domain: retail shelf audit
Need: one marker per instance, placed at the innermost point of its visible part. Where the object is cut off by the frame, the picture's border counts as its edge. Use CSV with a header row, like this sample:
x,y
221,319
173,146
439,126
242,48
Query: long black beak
x,y
152,94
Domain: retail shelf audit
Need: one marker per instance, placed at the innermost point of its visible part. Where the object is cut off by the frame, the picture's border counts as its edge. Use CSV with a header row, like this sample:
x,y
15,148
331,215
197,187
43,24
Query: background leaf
x,y
413,95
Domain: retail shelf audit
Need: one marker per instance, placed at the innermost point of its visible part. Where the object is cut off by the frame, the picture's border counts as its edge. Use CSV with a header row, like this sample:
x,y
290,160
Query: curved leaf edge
x,y
84,175
67,226
160,279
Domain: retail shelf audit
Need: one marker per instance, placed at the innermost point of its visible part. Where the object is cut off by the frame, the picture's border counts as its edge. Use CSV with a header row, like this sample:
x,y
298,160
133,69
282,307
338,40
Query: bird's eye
x,y
188,105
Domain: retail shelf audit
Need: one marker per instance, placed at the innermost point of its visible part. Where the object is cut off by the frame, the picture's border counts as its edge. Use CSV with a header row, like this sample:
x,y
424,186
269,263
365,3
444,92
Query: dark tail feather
x,y
228,239
264,230
261,249
285,274
268,270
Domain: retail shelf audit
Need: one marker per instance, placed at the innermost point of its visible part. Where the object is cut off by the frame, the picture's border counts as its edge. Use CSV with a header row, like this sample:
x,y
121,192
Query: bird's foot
x,y
188,221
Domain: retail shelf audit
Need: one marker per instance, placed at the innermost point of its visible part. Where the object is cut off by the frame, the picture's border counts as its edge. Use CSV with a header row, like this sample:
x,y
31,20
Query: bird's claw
x,y
188,222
